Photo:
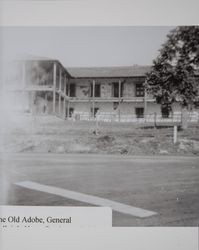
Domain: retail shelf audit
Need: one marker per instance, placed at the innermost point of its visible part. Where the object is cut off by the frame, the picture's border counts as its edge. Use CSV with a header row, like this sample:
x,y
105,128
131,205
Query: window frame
x,y
139,114
98,88
74,90
139,90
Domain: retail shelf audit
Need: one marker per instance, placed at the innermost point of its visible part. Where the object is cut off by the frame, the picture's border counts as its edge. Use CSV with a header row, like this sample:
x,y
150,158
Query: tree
x,y
173,75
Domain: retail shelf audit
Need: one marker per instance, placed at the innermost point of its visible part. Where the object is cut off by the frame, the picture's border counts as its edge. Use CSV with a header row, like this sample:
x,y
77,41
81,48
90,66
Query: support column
x,y
60,85
60,79
59,103
54,86
145,104
119,101
175,134
68,105
64,105
93,99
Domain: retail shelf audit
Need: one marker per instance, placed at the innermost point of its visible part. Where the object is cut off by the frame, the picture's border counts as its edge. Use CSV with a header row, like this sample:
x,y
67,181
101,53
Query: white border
x,y
99,13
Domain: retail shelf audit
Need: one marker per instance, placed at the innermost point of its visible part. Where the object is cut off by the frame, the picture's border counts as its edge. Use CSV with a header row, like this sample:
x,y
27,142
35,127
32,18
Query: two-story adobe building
x,y
45,86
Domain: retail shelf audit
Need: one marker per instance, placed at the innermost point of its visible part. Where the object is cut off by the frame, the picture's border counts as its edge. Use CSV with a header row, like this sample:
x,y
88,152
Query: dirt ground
x,y
53,135
167,185
134,165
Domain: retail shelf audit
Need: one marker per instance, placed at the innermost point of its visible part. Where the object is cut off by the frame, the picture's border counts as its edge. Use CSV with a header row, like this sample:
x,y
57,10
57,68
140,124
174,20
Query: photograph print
x,y
102,116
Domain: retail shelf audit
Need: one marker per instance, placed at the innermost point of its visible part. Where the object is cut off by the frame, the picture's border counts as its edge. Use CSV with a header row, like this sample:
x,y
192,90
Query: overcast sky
x,y
85,46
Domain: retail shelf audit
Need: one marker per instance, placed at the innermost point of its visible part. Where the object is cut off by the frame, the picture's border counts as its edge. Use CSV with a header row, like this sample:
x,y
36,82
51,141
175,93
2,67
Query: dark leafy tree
x,y
174,72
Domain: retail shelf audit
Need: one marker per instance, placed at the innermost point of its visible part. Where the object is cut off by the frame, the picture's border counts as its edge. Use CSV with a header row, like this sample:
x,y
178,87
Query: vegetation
x,y
174,72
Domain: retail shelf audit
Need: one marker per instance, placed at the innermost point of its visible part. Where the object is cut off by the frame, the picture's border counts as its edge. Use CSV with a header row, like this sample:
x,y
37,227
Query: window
x,y
139,112
66,89
115,89
165,109
122,89
196,104
95,111
72,90
139,90
97,90
71,111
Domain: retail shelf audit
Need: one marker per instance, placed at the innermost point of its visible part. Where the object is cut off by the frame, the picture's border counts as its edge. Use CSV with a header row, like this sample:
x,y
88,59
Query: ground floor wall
x,y
42,103
128,112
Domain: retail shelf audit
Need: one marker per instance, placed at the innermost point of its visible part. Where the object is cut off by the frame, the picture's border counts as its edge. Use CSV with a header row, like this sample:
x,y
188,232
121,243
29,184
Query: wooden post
x,y
68,83
60,79
93,98
155,120
54,87
64,105
60,83
119,100
66,90
145,104
59,104
175,131
68,104
68,109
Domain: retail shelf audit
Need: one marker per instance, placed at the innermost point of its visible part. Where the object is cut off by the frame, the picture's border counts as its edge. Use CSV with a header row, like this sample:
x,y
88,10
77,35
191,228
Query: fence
x,y
153,118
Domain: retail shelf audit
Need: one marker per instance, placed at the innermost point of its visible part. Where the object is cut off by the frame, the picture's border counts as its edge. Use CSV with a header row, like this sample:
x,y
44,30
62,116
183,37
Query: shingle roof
x,y
108,72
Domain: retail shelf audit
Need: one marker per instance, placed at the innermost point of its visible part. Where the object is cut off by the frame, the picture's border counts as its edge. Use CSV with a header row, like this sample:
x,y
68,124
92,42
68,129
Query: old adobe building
x,y
46,87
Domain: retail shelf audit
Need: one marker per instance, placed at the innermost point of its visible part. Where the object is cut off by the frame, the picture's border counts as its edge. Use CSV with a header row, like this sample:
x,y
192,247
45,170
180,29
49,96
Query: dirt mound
x,y
106,139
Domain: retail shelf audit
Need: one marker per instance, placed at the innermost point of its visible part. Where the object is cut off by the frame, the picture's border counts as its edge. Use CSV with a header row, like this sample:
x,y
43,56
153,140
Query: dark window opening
x,y
196,105
66,89
72,90
71,111
139,90
165,111
95,111
139,112
122,89
97,90
116,89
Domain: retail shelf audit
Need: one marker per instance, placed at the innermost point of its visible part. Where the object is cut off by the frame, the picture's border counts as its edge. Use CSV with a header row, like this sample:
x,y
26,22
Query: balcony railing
x,y
111,99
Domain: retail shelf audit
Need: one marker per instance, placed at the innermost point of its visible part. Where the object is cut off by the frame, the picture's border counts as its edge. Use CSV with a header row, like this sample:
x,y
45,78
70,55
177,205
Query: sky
x,y
85,46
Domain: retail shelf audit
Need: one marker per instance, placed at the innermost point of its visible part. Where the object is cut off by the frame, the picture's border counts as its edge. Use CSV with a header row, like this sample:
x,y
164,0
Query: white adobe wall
x,y
106,110
125,108
129,87
83,87
153,108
